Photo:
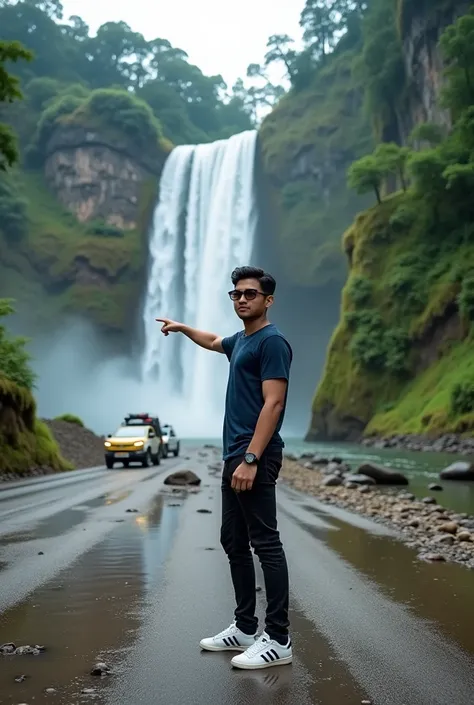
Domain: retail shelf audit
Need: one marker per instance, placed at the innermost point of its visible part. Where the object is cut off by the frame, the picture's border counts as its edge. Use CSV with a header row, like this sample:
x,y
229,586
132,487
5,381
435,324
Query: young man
x,y
260,360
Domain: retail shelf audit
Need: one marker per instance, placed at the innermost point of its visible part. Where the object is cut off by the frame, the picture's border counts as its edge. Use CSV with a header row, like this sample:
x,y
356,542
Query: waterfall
x,y
203,226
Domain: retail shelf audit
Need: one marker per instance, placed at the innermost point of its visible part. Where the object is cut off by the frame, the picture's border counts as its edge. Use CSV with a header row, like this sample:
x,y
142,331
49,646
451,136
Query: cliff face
x,y
307,143
88,212
421,27
94,176
400,359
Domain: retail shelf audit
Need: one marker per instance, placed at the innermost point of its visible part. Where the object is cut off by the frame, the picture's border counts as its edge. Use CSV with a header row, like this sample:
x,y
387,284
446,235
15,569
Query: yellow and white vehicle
x,y
133,444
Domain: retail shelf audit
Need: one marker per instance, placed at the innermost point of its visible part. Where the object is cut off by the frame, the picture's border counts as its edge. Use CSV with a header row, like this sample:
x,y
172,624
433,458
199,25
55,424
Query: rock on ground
x,y
182,477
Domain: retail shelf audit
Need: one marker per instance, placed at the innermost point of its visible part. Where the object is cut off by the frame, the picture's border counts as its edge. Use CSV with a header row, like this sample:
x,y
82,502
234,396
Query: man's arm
x,y
209,341
274,391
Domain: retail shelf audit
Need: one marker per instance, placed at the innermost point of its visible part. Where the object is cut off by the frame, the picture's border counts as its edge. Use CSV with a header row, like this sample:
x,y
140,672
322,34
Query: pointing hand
x,y
169,326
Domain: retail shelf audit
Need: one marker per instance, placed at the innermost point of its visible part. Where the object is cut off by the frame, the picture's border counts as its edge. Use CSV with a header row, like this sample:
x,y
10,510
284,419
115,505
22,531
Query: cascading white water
x,y
204,225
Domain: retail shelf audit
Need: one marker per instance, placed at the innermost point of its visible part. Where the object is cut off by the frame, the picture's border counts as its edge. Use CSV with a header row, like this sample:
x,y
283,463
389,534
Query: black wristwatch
x,y
250,458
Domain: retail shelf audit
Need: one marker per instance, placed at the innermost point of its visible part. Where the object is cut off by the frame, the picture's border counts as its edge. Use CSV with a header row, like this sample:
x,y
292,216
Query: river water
x,y
421,468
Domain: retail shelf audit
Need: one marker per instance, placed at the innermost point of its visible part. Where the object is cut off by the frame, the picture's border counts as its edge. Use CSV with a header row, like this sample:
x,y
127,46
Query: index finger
x,y
162,320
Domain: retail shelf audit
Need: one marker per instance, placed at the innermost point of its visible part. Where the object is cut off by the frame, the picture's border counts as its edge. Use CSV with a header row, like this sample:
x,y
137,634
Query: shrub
x,y
14,359
70,418
403,218
105,230
462,397
466,298
13,209
360,290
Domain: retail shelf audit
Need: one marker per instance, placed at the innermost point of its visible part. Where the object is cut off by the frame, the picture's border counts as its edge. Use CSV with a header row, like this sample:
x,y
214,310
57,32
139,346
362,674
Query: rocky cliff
x,y
400,360
83,249
307,143
421,25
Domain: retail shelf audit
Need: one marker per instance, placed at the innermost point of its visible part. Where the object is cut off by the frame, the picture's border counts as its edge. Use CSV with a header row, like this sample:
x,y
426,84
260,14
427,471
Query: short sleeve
x,y
275,358
228,344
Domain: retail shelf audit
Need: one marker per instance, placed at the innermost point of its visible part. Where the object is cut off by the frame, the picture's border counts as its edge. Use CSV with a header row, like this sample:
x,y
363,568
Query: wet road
x,y
138,590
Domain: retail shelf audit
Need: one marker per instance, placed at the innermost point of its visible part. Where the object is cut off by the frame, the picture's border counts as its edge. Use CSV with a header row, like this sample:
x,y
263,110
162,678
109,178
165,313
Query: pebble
x,y
435,488
100,669
428,500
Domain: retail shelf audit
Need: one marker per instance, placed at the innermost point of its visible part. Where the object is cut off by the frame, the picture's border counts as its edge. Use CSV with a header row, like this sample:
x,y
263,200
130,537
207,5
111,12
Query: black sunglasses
x,y
249,294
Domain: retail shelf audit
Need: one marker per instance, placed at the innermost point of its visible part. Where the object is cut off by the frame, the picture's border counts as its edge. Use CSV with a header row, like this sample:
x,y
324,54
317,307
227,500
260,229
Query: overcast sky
x,y
220,36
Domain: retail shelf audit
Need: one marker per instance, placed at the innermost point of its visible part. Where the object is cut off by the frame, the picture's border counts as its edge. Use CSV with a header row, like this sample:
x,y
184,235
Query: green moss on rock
x,y
25,442
415,278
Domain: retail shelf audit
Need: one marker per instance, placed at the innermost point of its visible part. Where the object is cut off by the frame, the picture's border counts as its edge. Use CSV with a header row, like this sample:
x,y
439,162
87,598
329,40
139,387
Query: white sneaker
x,y
263,653
231,639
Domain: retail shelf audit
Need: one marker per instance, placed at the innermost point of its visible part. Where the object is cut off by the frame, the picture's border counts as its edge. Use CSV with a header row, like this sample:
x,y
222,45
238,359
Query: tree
x,y
14,359
365,175
393,160
9,92
428,132
457,44
427,169
279,50
320,21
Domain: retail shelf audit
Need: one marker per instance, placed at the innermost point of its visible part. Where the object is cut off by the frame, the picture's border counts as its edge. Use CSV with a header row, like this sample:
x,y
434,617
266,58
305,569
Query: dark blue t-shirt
x,y
253,359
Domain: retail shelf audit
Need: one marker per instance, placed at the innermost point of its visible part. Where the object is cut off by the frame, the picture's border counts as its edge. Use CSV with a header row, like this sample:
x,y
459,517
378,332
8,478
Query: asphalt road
x,y
138,589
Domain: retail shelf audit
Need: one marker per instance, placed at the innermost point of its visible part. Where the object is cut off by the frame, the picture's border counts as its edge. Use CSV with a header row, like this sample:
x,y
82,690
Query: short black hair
x,y
267,282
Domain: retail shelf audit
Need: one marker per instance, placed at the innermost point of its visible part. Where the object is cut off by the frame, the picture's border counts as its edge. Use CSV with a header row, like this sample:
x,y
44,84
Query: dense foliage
x,y
69,62
405,340
14,359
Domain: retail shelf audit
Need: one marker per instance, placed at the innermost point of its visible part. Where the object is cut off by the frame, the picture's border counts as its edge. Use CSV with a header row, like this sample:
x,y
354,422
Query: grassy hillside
x,y
308,141
401,358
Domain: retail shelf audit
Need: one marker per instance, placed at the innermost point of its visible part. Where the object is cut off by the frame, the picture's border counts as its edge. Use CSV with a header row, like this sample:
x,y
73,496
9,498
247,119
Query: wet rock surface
x,y
438,533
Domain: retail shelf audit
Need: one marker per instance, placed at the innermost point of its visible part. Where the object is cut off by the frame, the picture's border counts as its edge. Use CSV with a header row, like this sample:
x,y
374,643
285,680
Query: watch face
x,y
250,458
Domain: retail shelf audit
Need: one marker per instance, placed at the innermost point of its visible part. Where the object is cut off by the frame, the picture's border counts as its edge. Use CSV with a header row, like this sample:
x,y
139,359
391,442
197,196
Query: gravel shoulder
x,y
438,534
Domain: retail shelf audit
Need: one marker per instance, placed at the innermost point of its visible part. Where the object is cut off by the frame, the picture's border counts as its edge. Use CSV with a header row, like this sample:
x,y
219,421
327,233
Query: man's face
x,y
246,307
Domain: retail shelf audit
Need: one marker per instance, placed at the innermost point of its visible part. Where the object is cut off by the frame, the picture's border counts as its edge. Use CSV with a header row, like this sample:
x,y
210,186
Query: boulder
x,y
359,479
381,475
458,471
332,481
435,488
182,477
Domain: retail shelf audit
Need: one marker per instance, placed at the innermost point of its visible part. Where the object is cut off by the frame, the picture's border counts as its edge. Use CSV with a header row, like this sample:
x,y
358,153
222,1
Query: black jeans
x,y
249,517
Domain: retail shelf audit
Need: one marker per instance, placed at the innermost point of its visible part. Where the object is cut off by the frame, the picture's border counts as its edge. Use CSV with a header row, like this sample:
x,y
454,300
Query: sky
x,y
220,37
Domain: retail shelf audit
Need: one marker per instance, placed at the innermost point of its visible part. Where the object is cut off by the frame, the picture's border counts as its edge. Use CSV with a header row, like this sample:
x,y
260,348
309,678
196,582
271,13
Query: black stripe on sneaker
x,y
265,658
226,641
274,653
236,641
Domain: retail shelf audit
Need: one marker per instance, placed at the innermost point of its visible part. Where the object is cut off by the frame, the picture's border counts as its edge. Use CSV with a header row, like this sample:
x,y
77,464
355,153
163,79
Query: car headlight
x,y
138,444
107,444
165,439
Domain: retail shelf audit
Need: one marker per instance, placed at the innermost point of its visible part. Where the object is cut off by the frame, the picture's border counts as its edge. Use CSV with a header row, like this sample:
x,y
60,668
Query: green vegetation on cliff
x,y
25,442
401,358
312,136
100,114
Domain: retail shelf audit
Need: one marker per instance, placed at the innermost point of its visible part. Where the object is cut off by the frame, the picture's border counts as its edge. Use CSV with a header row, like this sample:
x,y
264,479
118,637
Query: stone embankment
x,y
437,533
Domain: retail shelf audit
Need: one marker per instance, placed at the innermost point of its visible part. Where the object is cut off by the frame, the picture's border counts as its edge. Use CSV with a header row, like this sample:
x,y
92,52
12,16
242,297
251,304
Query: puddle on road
x,y
440,593
88,613
62,522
